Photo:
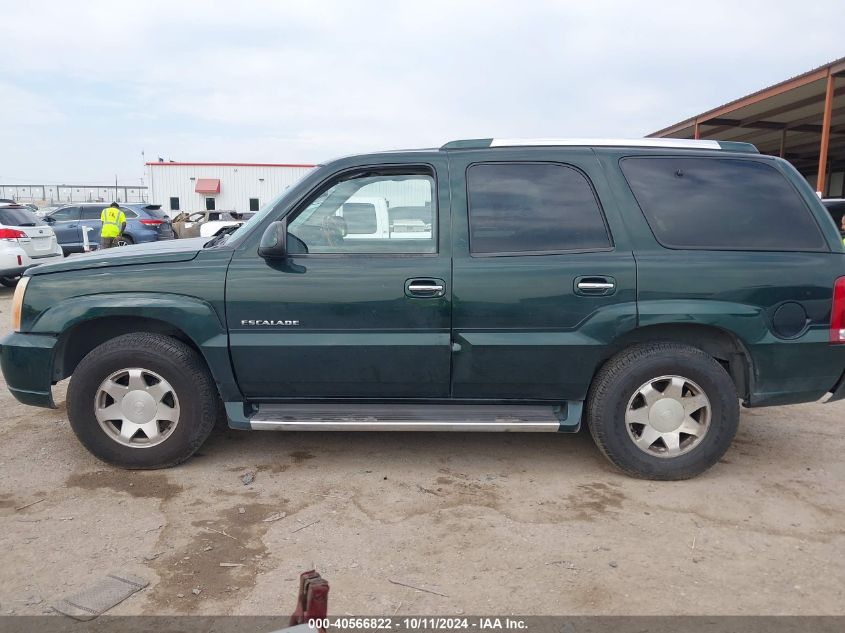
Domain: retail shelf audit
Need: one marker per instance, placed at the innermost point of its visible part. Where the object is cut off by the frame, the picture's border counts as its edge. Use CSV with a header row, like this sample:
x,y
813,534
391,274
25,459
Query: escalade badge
x,y
272,322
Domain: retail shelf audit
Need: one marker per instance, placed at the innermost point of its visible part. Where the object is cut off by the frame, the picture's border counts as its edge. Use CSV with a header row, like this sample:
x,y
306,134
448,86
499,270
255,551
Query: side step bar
x,y
401,417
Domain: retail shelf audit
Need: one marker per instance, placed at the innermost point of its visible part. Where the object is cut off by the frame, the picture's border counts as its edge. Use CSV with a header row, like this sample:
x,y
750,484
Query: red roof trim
x,y
230,164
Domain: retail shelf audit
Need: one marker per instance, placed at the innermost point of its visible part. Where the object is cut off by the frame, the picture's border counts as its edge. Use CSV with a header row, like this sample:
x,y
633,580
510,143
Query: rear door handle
x,y
595,285
422,288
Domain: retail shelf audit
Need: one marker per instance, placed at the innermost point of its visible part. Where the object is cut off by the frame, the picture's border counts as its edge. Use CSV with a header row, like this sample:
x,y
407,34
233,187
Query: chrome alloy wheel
x,y
668,416
136,408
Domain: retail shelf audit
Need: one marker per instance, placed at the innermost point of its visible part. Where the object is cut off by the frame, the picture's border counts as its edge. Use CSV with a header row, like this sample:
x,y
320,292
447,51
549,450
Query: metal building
x,y
239,187
801,119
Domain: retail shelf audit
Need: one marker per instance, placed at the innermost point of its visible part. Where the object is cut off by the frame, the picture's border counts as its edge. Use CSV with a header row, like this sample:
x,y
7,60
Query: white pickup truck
x,y
370,217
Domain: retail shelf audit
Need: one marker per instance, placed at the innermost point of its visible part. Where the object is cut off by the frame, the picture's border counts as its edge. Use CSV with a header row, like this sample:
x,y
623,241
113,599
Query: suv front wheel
x,y
142,401
663,411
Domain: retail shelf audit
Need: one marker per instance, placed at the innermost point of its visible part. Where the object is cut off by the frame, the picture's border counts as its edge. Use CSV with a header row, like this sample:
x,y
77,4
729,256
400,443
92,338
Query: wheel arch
x,y
724,346
79,339
83,323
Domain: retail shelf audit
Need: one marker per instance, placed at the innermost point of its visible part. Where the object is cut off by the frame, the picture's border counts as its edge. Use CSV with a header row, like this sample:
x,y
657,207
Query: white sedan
x,y
25,241
228,218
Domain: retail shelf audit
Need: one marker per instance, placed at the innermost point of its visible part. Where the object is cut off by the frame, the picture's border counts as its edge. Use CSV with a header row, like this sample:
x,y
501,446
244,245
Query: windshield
x,y
18,217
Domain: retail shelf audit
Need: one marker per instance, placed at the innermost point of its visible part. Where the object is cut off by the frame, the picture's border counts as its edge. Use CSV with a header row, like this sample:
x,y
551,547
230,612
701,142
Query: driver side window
x,y
358,215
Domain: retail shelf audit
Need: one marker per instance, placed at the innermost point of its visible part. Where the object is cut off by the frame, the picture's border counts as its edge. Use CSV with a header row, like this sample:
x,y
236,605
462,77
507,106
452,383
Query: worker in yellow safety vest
x,y
114,223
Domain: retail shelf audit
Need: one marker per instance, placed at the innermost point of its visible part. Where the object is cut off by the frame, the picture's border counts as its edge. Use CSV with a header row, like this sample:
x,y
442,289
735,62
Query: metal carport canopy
x,y
801,119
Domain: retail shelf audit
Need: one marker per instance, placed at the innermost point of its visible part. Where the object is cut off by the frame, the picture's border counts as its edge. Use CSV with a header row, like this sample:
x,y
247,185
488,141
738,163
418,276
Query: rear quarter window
x,y
721,204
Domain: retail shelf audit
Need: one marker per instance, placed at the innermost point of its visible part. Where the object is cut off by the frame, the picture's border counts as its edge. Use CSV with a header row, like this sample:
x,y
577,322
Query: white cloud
x,y
303,81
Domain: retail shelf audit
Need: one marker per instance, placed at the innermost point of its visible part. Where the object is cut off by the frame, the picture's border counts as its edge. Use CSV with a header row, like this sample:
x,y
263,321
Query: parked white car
x,y
228,218
25,241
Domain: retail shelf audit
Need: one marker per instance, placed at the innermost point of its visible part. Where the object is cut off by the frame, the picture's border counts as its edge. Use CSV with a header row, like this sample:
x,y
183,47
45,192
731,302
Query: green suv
x,y
644,288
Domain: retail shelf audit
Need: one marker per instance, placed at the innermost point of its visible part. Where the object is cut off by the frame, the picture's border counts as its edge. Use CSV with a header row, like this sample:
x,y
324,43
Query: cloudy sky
x,y
86,87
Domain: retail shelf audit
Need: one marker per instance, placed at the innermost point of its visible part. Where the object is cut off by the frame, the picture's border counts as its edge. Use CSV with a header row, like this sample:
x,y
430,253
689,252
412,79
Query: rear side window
x,y
532,208
721,204
92,213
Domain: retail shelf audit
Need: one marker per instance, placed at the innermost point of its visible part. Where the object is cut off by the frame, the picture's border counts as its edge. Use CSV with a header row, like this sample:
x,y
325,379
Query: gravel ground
x,y
511,523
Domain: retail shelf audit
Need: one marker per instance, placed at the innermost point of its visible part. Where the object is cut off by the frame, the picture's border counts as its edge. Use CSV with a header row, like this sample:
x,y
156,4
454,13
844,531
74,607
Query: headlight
x,y
17,303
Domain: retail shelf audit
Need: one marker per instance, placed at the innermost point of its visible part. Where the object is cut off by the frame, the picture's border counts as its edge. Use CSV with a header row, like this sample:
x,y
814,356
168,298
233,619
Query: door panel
x,y
358,335
91,219
524,328
329,324
66,228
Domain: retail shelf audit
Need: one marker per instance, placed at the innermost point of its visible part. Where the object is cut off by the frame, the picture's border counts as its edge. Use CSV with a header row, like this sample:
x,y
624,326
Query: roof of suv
x,y
673,143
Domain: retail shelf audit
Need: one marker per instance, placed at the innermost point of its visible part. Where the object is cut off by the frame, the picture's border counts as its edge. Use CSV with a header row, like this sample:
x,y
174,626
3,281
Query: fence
x,y
62,194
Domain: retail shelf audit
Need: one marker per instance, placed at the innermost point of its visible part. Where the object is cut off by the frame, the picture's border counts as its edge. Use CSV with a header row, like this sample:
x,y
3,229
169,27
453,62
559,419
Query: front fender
x,y
197,319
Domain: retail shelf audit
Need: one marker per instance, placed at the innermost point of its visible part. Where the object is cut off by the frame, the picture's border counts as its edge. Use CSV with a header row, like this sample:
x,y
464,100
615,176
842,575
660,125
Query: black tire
x,y
619,380
174,361
10,282
125,239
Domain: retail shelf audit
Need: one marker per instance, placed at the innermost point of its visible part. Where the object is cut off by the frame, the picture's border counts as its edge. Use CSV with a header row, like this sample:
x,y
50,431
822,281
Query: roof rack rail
x,y
674,143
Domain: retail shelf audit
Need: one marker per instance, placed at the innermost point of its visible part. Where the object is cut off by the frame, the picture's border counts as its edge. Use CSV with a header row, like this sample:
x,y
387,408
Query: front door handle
x,y
595,286
422,288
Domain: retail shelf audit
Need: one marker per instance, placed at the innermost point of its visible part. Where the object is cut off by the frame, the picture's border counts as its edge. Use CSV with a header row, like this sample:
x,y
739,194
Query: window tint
x,y
129,213
353,216
154,211
66,213
253,204
532,208
360,218
12,216
721,203
174,204
92,213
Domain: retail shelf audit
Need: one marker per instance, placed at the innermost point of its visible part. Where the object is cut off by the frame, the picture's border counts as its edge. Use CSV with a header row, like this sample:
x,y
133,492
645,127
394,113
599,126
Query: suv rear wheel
x,y
142,401
663,411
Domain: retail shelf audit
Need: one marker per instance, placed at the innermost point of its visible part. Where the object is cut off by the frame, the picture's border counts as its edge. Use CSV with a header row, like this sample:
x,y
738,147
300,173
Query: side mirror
x,y
49,219
274,241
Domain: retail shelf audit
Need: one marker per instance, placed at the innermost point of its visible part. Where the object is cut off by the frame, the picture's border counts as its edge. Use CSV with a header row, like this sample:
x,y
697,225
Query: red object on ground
x,y
313,599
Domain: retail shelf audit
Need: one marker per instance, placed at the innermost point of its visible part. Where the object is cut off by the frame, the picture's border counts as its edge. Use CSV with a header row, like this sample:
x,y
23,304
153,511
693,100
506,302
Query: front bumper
x,y
27,364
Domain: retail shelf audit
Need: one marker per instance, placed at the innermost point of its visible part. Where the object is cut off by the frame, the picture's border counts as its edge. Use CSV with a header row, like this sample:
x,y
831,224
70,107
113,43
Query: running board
x,y
403,417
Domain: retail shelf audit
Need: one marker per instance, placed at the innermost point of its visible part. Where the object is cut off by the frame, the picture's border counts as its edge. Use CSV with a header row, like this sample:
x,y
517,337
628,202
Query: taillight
x,y
152,222
837,312
11,234
17,303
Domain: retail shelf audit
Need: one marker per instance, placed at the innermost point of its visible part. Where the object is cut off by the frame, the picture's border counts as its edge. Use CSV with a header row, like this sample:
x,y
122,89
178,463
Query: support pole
x,y
825,144
697,133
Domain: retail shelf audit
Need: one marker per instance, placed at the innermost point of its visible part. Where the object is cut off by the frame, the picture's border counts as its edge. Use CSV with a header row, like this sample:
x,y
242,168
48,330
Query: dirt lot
x,y
486,520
